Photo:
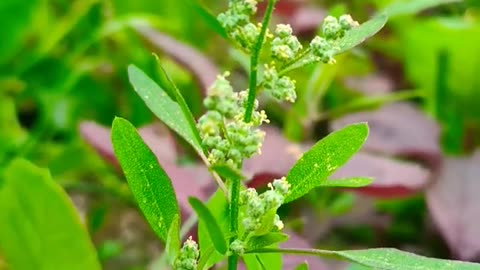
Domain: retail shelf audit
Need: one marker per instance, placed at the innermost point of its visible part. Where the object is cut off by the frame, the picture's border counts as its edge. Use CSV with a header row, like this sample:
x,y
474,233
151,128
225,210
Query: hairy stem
x,y
252,84
297,251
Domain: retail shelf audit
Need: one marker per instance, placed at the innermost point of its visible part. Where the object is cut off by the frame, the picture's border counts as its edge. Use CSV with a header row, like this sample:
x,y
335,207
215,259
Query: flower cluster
x,y
257,206
236,21
285,46
258,212
282,88
229,139
187,259
324,48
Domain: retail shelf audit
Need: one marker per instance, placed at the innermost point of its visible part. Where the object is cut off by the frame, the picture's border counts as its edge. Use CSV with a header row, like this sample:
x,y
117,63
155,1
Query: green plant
x,y
238,222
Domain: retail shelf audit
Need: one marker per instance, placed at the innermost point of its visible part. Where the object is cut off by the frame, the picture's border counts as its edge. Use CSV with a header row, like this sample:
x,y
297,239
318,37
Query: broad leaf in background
x,y
204,71
40,228
455,205
266,240
149,184
166,109
359,34
406,7
394,259
208,18
324,158
303,266
15,17
215,232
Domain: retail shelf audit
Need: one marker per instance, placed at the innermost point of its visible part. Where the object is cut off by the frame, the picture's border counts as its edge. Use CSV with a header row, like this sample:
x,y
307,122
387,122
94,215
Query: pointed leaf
x,y
148,182
172,246
354,182
394,259
214,230
227,172
359,34
166,109
324,158
266,240
39,227
208,18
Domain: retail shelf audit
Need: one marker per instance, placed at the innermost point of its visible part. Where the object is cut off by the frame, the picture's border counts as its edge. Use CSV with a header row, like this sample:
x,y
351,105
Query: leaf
x,y
258,261
392,178
359,34
324,158
406,7
455,205
355,182
149,184
266,240
218,206
208,18
303,266
214,230
204,71
188,181
163,106
39,227
394,259
172,245
227,172
291,261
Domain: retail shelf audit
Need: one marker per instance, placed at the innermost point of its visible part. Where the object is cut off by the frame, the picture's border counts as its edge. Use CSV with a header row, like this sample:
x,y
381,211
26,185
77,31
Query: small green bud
x,y
331,28
323,49
278,223
187,259
237,247
281,185
346,22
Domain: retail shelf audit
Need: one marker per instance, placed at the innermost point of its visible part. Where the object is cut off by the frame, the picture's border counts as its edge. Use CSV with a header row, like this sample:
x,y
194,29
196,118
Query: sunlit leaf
x,y
266,240
166,109
324,158
148,182
355,182
406,7
173,239
39,227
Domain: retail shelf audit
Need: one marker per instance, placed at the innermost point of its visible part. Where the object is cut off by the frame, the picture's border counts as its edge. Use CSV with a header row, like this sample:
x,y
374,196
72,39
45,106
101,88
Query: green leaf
x,y
227,172
359,34
173,240
303,266
214,230
406,7
266,222
255,261
148,182
208,18
394,259
266,240
326,156
39,227
164,107
218,206
355,182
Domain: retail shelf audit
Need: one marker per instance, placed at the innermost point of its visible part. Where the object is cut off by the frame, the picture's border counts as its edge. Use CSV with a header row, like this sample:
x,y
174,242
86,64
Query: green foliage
x,y
39,227
393,259
355,182
214,230
172,246
326,156
266,240
359,34
406,7
170,111
148,182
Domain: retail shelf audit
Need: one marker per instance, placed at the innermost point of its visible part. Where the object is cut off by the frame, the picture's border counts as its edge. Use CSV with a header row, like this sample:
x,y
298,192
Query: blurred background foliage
x,y
63,62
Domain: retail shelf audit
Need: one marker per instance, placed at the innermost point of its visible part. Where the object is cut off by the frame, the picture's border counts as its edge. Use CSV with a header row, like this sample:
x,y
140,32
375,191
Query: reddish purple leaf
x,y
200,66
391,178
454,204
399,130
187,181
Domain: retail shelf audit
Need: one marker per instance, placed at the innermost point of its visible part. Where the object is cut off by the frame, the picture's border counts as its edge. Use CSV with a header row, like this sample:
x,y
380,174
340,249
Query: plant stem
x,y
234,194
297,251
252,84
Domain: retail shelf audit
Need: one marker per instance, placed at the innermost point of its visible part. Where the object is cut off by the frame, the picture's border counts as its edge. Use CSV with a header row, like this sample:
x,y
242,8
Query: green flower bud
x,y
237,247
323,49
331,28
346,22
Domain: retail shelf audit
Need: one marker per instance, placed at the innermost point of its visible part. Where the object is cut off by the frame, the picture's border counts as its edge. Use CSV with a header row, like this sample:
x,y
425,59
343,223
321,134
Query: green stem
x,y
297,251
298,58
234,195
252,84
